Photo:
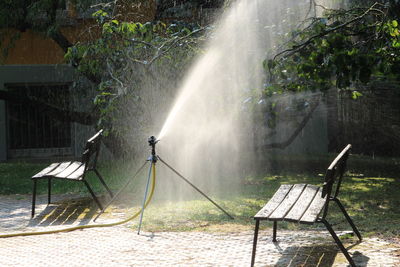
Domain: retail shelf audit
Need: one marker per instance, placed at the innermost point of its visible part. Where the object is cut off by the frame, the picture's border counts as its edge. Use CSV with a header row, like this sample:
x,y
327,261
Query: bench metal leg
x,y
49,191
274,231
338,242
103,183
93,195
253,254
33,198
349,220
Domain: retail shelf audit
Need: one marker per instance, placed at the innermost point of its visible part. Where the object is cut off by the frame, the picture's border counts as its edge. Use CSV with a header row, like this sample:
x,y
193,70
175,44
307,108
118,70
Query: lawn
x,y
370,193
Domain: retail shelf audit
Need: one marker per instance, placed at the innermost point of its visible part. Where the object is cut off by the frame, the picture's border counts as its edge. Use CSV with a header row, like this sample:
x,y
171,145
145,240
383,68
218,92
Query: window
x,y
31,128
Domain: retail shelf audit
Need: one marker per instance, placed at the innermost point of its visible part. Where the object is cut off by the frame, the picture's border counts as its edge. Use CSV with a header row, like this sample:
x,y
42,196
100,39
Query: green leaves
x,y
349,47
269,64
101,16
391,28
355,94
121,59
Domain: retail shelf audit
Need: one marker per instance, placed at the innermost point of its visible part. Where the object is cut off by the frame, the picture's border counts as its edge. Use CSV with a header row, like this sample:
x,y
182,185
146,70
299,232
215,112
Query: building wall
x,y
32,48
35,48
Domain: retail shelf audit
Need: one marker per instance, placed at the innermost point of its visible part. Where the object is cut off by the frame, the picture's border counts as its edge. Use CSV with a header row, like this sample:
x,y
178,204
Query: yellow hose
x,y
153,183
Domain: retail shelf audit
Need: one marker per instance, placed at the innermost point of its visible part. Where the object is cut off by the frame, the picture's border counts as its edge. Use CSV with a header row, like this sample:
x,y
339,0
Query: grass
x,y
369,193
372,202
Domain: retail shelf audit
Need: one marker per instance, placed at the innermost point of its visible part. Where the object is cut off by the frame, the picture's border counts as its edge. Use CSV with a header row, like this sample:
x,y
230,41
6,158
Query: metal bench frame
x,y
329,192
77,172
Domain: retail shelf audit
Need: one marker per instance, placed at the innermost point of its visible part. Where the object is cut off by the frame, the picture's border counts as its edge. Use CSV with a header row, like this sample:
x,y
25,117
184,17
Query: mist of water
x,y
208,134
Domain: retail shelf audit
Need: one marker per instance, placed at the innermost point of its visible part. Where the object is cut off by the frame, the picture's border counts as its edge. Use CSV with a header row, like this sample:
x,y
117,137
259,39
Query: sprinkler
x,y
152,142
153,158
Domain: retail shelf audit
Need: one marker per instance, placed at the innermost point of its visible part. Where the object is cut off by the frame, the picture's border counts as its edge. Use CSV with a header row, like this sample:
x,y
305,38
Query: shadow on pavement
x,y
67,212
319,255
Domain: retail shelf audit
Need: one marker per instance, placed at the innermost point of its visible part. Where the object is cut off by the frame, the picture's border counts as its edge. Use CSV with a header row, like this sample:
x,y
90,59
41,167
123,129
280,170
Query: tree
x,y
342,48
115,59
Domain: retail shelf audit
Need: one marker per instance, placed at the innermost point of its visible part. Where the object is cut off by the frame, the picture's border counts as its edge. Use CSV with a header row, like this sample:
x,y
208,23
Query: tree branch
x,y
64,44
161,52
61,40
296,48
303,123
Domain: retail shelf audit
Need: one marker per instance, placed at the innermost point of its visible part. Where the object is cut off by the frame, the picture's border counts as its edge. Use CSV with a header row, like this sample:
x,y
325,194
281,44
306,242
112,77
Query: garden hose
x,y
153,183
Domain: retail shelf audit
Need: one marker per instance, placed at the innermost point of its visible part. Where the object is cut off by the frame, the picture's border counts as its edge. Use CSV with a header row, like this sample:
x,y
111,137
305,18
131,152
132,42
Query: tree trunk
x,y
332,120
300,127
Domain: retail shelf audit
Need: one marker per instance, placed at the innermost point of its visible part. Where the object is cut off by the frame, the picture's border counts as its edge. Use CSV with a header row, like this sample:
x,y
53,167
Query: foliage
x,y
119,55
29,13
124,57
338,49
24,15
40,16
341,48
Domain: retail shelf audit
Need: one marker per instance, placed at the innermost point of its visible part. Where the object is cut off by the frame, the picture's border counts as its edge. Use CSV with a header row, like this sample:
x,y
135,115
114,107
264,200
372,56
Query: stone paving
x,y
122,246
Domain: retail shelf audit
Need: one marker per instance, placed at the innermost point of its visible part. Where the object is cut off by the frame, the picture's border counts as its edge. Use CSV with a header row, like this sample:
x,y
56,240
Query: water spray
x,y
152,159
227,67
152,140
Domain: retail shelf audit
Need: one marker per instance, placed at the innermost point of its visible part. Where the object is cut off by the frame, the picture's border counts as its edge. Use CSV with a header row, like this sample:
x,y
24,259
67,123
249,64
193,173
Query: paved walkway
x,y
122,246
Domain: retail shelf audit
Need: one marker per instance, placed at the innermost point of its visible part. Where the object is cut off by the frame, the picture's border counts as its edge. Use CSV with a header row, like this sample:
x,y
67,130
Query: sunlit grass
x,y
371,200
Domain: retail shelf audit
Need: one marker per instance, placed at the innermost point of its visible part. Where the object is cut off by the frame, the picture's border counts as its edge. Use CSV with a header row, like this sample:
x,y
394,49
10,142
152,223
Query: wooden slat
x,y
60,168
77,174
69,170
311,215
302,203
274,202
46,170
95,137
287,204
339,157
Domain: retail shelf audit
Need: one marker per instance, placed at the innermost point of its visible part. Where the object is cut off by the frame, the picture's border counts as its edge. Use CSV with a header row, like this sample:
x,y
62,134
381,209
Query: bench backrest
x,y
91,152
334,175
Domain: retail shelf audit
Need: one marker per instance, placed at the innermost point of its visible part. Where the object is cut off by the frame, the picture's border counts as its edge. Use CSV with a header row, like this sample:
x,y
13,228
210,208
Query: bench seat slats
x,y
296,203
302,204
63,170
274,202
77,174
61,167
286,205
46,170
310,216
72,171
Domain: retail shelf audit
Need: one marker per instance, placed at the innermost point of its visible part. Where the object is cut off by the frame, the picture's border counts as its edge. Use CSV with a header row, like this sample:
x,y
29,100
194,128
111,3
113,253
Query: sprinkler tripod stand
x,y
152,173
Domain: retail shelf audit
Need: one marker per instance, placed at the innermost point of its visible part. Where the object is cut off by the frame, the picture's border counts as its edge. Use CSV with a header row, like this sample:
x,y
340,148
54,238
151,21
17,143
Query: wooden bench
x,y
307,204
73,170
